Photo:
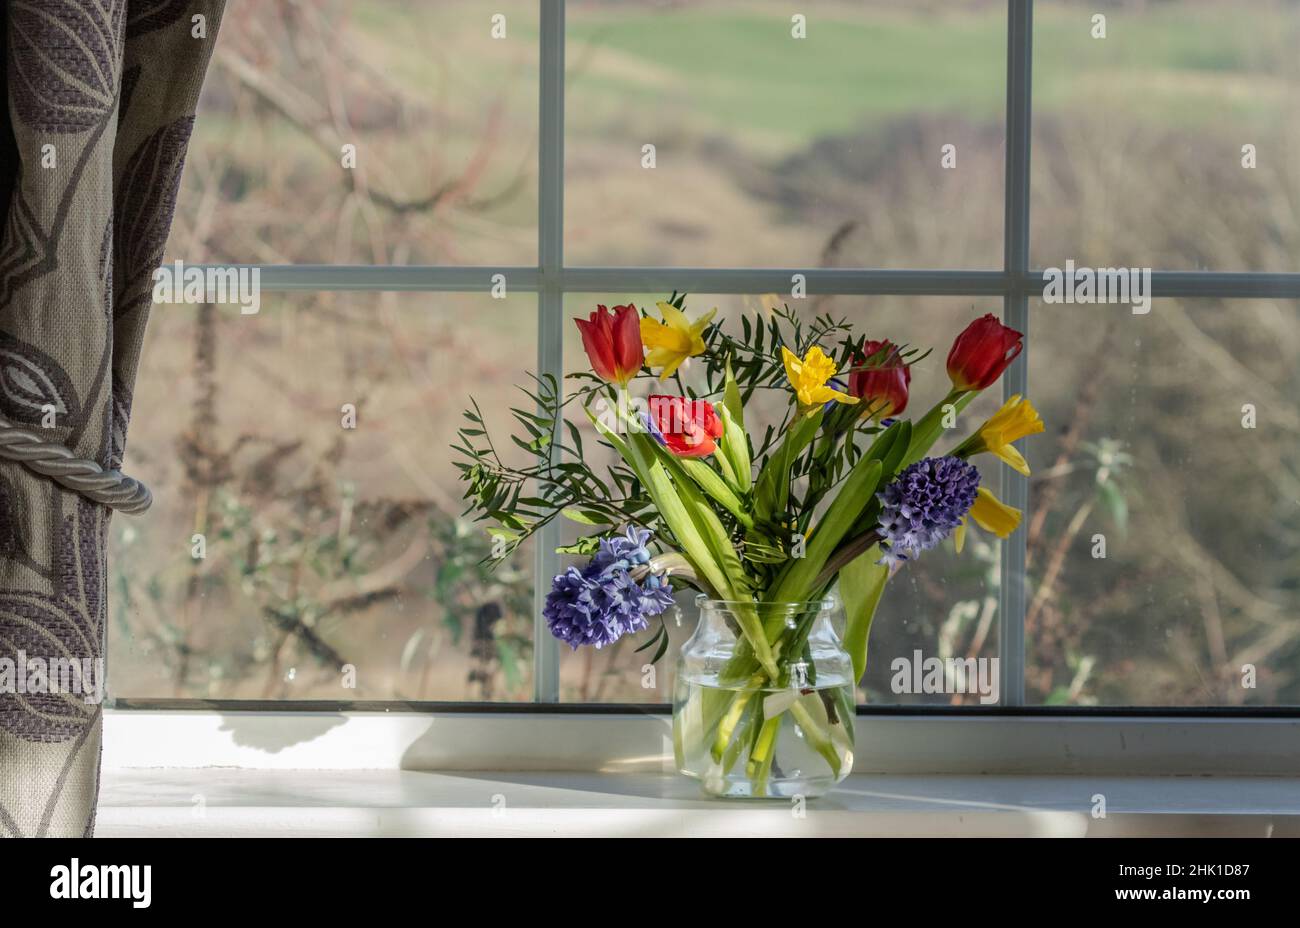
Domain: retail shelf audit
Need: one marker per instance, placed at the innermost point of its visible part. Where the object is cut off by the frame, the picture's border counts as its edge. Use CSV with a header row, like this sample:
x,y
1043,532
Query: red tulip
x,y
613,343
880,379
688,428
982,352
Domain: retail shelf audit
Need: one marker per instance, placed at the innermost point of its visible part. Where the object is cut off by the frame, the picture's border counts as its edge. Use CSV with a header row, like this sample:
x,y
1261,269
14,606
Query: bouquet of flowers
x,y
789,533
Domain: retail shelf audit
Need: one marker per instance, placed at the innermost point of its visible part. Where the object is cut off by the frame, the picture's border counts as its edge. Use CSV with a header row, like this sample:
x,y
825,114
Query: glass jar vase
x,y
769,722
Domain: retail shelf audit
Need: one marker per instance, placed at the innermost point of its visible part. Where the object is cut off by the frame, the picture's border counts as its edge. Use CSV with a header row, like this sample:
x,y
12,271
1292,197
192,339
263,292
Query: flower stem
x,y
847,553
728,723
760,759
739,737
820,742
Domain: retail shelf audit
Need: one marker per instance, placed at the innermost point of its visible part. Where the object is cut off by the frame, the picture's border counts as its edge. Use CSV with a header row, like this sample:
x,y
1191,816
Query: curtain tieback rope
x,y
110,487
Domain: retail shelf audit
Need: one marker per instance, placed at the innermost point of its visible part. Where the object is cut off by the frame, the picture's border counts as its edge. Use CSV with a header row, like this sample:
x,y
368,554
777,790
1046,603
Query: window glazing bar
x,y
550,314
827,281
782,280
1015,488
380,277
1166,284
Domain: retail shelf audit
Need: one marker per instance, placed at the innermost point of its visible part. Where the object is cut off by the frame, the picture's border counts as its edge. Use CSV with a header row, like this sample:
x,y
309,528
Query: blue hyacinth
x,y
601,603
923,505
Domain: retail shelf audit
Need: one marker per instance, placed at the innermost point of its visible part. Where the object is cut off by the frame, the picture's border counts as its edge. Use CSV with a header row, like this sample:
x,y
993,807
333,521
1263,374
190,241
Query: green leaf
x,y
575,436
585,546
536,446
707,479
929,427
663,648
794,583
762,551
650,642
585,517
618,444
772,491
1112,498
698,531
731,397
900,444
639,453
682,521
855,497
734,448
708,525
862,582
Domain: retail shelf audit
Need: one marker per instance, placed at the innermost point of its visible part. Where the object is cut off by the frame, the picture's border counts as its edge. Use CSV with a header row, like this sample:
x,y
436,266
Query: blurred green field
x,y
743,73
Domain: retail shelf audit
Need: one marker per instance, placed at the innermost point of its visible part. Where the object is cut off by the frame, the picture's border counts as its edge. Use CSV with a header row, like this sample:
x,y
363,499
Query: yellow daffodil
x,y
672,341
990,514
808,377
1016,419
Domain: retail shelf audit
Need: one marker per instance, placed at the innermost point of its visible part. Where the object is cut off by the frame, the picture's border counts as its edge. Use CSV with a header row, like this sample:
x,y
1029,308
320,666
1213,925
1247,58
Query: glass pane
x,y
441,116
944,605
774,150
1163,566
1170,142
320,546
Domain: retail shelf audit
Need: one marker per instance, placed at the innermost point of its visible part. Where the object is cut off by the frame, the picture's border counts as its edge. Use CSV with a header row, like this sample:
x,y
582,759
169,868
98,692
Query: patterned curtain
x,y
100,98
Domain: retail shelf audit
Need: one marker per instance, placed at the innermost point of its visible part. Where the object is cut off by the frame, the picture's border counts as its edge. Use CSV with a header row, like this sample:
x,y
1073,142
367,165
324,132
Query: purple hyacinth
x,y
601,603
923,504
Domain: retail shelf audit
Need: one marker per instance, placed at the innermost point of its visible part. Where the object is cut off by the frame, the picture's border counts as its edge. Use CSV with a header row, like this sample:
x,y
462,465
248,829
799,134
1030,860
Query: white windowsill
x,y
206,772
246,802
642,743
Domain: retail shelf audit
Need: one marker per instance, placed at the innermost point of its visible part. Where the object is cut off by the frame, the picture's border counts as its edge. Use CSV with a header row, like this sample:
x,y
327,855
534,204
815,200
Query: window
x,y
585,152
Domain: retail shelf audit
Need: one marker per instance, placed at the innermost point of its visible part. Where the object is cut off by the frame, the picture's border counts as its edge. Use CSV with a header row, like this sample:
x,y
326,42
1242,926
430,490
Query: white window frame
x,y
1007,738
